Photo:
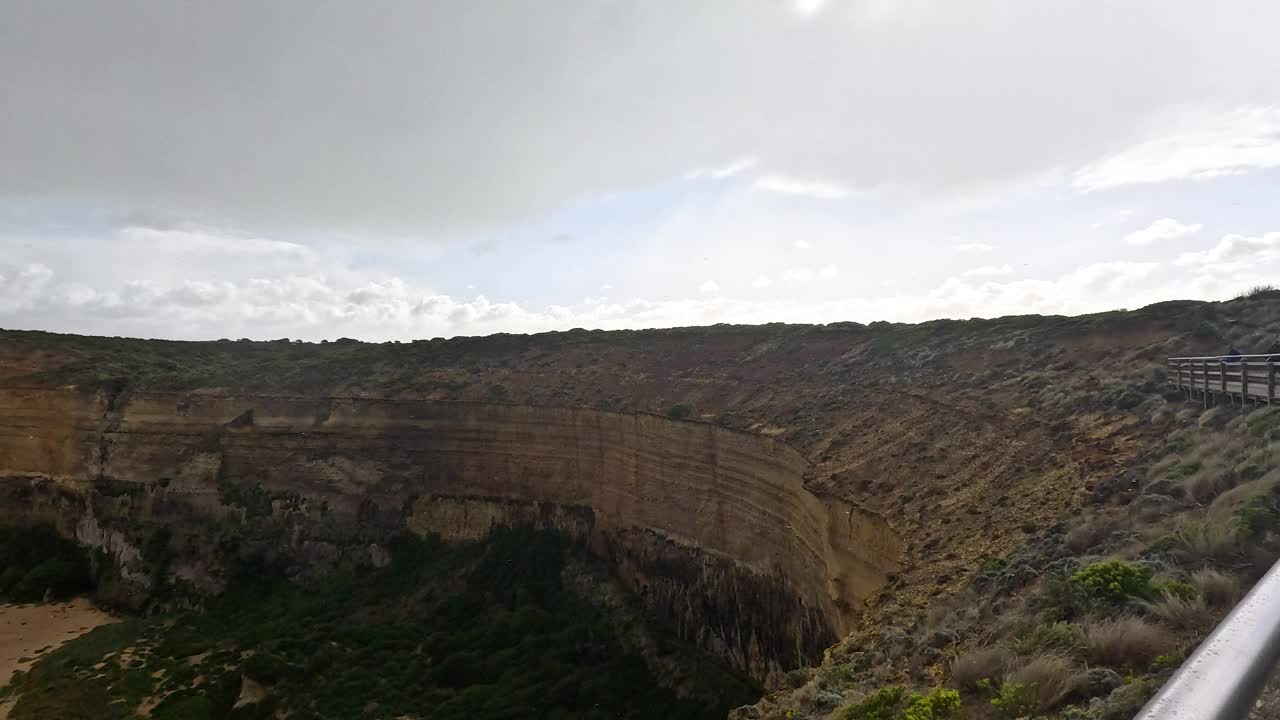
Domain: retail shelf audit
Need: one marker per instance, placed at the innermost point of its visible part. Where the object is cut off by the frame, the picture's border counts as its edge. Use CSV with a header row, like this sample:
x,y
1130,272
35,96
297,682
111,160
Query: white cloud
x,y
989,271
338,303
803,245
21,287
797,275
1233,253
606,287
791,186
1162,229
709,287
973,247
1193,146
828,271
808,7
762,281
725,171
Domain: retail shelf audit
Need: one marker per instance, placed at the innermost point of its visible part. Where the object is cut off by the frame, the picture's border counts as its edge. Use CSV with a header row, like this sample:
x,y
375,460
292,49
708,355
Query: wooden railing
x,y
1247,378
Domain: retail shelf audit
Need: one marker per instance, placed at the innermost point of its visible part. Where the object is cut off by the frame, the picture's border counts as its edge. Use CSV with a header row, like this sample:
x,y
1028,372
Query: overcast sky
x,y
394,170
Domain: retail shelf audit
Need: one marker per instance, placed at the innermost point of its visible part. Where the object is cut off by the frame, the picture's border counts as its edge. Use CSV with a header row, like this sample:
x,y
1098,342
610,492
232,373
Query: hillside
x,y
987,446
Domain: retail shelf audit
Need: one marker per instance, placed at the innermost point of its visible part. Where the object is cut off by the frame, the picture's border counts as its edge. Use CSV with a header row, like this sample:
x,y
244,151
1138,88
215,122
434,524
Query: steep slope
x,y
967,437
713,527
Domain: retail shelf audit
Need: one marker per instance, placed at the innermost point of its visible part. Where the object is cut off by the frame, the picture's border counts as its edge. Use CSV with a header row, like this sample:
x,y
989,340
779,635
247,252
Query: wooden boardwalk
x,y
1213,379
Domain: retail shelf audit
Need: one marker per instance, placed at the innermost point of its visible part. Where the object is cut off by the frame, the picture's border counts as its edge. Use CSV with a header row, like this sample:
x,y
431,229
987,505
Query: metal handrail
x,y
1224,676
1226,357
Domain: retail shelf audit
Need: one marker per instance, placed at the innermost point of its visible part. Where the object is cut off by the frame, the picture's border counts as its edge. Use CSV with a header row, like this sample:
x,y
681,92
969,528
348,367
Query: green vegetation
x,y
38,563
679,411
993,565
938,704
1011,700
1116,581
894,703
1055,636
1258,517
447,632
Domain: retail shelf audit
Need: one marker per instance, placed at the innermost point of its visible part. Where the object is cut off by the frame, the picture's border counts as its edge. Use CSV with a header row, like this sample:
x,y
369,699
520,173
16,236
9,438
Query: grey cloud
x,y
197,294
433,118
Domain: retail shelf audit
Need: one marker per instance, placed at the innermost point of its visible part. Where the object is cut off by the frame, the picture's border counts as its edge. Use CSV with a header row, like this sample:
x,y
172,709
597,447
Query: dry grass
x,y
1049,679
1182,614
1209,483
1208,543
1218,589
1012,621
987,662
1127,641
1091,533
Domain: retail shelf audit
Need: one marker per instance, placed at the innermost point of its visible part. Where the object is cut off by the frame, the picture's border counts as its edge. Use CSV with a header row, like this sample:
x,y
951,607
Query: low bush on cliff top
x,y
38,564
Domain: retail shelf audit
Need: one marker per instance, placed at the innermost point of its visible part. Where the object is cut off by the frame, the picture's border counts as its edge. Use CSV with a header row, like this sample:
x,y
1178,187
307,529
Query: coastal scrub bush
x,y
1010,699
1115,581
1257,518
1038,684
1055,636
879,705
938,704
894,703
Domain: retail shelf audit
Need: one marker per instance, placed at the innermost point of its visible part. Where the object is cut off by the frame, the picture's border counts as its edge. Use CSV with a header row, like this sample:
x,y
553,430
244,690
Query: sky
x,y
391,170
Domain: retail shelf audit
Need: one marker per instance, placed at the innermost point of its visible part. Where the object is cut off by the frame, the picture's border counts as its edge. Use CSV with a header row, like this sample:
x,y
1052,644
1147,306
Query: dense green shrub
x,y
940,703
1054,636
880,705
1012,700
36,561
1115,581
893,703
445,631
679,411
1258,517
1178,589
266,668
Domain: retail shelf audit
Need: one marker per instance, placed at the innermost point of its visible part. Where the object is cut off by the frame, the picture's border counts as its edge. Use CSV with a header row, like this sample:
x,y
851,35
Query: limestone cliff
x,y
713,528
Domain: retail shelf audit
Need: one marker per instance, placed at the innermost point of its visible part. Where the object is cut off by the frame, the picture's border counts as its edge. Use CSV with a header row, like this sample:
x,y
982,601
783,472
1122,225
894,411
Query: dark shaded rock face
x,y
714,529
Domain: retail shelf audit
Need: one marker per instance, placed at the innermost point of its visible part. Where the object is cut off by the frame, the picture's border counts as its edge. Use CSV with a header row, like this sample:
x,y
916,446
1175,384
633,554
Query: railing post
x,y
1244,381
1271,381
1222,378
1205,369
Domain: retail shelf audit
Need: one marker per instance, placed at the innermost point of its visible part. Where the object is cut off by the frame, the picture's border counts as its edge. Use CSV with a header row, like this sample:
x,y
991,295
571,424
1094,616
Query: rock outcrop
x,y
713,528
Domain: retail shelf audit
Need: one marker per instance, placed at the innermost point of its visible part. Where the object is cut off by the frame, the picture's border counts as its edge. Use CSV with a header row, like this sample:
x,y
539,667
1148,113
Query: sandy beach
x,y
27,631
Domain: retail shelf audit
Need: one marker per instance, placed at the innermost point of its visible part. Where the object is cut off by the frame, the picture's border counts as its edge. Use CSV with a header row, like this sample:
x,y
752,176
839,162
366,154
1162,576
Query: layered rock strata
x,y
713,528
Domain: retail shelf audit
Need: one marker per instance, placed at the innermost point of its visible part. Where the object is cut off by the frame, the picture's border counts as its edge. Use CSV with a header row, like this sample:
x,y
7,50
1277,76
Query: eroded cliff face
x,y
714,529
